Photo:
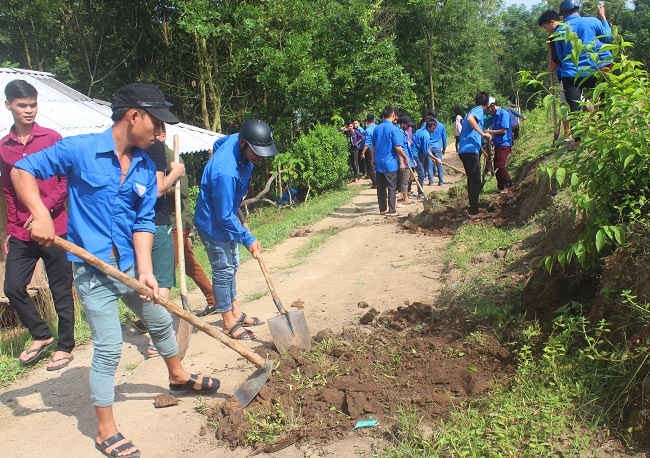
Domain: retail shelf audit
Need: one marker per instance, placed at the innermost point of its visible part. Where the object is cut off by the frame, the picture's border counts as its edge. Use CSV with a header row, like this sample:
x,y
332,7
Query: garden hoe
x,y
183,328
289,329
247,391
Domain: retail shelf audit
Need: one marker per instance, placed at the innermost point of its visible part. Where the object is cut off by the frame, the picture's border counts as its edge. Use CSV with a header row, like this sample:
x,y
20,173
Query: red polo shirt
x,y
54,190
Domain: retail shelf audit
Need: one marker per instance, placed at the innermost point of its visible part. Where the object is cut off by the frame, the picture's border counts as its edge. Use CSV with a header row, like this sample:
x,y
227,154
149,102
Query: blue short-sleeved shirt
x,y
501,120
470,140
439,137
102,213
224,185
386,137
593,33
422,141
370,128
409,148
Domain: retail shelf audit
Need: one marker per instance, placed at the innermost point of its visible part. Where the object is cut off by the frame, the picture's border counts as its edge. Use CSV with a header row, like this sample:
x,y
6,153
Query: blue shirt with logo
x,y
470,140
224,185
385,138
102,213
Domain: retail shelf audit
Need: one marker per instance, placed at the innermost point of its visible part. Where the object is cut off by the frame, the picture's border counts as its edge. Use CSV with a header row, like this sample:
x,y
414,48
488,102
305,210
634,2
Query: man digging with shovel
x,y
112,192
224,185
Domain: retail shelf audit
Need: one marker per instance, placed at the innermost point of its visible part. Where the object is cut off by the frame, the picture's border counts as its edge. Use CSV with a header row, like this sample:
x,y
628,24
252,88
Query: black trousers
x,y
472,165
354,161
386,191
21,261
372,174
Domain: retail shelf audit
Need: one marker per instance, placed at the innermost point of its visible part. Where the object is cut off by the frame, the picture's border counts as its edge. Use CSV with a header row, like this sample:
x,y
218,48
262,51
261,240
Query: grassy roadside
x,y
270,225
547,409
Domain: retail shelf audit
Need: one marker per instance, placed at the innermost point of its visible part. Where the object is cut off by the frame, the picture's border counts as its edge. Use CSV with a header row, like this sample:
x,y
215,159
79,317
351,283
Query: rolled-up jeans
x,y
224,260
99,296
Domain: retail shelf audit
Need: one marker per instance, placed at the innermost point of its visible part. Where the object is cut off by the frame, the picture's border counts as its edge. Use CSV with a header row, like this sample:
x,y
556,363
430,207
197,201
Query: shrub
x,y
317,161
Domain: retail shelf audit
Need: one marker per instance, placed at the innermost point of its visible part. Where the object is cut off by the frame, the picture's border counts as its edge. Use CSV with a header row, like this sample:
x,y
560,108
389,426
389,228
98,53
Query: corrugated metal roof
x,y
70,112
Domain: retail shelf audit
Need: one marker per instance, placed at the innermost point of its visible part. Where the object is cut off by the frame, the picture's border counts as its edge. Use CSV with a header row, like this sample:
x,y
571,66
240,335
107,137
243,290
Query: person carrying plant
x,y
469,149
224,184
25,138
112,193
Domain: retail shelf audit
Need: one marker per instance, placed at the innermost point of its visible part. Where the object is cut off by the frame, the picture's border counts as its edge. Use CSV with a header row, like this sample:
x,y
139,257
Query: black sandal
x,y
188,387
242,320
106,444
245,334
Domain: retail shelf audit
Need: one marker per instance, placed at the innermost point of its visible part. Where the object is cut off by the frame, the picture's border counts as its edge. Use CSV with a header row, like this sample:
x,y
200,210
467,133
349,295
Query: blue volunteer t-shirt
x,y
385,138
470,139
501,120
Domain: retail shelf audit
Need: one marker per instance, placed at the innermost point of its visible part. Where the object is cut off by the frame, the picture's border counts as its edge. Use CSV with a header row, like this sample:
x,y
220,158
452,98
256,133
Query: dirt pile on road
x,y
413,358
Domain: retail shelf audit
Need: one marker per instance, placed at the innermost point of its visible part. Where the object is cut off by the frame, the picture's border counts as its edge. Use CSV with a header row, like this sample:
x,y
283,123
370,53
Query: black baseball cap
x,y
147,97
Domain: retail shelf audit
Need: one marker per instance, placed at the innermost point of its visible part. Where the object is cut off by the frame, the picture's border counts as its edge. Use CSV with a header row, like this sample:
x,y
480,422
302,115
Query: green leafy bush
x,y
317,161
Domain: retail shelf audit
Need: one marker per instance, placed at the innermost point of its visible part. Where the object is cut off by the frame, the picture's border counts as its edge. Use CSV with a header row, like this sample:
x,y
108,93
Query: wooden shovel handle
x,y
269,282
173,308
180,237
455,169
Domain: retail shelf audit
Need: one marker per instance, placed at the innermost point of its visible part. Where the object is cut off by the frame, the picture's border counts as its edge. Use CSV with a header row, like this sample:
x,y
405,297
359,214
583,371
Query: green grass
x,y
474,239
270,225
557,399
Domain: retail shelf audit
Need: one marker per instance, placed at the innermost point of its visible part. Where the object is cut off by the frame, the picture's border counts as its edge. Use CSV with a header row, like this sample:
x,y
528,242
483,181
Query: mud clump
x,y
422,364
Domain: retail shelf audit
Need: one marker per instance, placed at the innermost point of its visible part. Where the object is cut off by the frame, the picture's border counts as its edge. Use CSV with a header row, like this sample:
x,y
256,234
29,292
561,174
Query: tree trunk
x,y
430,71
200,62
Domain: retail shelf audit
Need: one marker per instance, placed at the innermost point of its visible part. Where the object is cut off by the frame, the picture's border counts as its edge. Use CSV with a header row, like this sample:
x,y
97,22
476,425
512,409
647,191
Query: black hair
x,y
482,98
118,114
388,111
404,119
19,89
370,118
432,113
548,16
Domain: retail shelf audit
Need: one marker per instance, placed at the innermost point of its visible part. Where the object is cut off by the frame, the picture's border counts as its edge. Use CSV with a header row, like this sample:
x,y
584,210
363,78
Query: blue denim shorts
x,y
224,260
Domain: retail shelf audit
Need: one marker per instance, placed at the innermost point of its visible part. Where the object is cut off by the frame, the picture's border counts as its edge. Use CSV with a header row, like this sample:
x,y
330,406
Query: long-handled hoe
x,y
247,391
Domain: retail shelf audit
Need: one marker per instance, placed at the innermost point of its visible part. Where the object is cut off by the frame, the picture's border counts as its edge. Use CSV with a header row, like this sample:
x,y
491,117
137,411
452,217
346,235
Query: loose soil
x,y
415,359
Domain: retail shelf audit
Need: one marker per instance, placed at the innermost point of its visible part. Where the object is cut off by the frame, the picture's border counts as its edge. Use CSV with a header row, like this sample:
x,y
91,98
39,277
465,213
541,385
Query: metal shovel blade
x,y
290,330
251,387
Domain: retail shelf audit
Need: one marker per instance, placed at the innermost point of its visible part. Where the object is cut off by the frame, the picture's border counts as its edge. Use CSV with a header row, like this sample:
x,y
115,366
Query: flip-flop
x,y
188,387
105,445
242,321
39,353
65,360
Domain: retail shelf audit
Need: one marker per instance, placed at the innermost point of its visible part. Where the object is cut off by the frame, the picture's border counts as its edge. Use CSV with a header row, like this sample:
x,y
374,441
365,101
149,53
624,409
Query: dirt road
x,y
367,258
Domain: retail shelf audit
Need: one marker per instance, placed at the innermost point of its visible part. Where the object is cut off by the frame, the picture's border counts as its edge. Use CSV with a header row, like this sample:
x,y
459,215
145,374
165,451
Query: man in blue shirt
x,y
515,116
593,33
366,151
501,132
469,149
389,157
224,185
438,147
112,192
422,144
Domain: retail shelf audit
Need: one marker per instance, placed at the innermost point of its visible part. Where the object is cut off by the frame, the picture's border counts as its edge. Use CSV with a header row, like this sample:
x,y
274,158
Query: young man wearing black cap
x,y
112,193
224,185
